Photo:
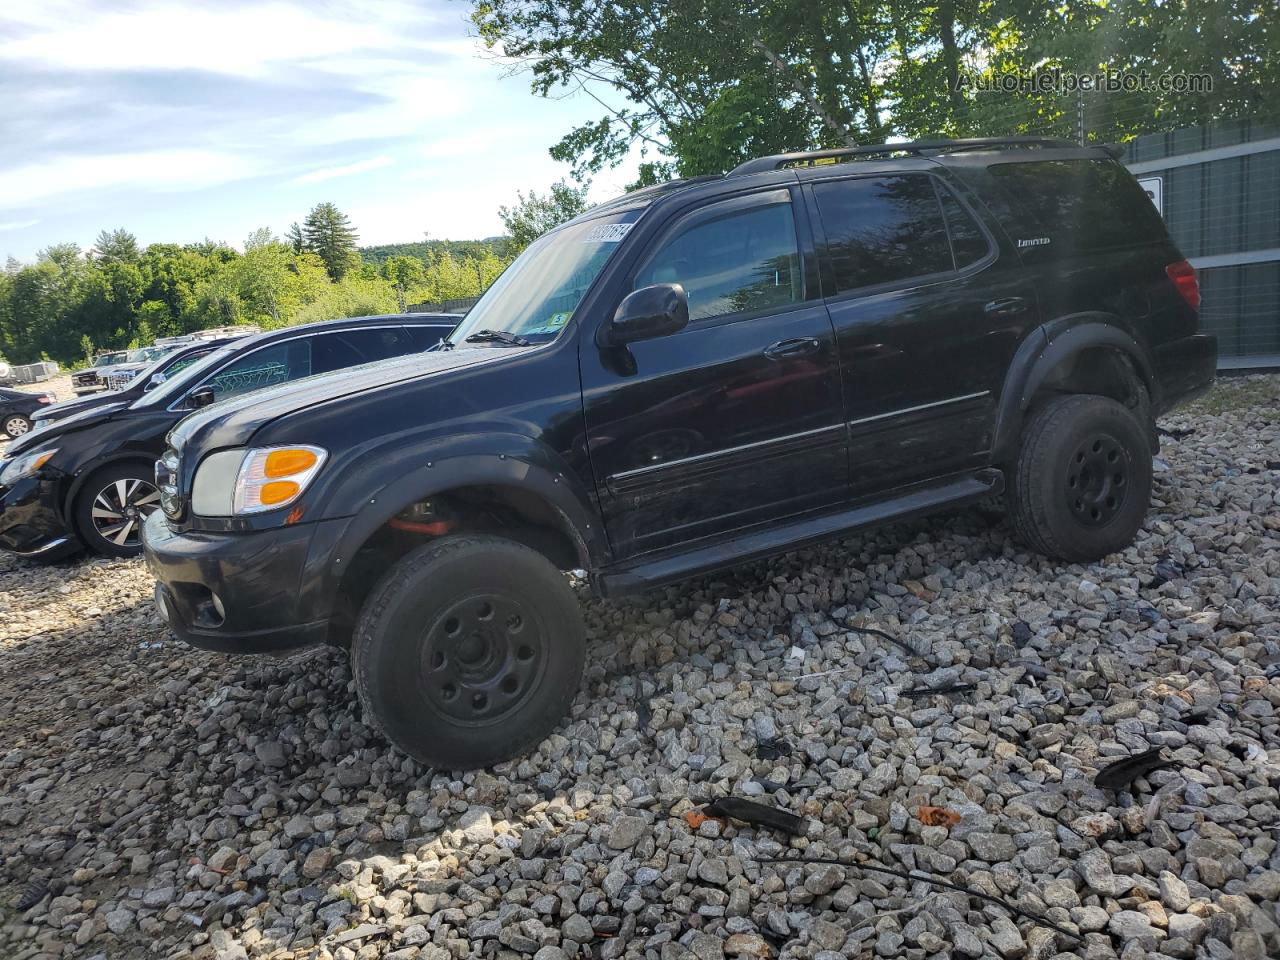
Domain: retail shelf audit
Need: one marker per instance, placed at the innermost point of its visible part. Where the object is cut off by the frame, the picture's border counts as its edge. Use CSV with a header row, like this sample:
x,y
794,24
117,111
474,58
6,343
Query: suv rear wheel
x,y
1082,482
469,651
111,507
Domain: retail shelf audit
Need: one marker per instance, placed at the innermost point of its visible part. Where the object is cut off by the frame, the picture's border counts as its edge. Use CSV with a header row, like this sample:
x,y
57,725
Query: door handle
x,y
1006,307
792,348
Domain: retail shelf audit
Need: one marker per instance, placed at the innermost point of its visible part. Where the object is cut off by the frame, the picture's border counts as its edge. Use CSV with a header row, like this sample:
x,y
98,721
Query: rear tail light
x,y
1183,276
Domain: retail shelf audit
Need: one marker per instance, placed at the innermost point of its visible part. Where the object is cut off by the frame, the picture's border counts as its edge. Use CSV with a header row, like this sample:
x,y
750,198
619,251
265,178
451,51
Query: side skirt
x,y
646,573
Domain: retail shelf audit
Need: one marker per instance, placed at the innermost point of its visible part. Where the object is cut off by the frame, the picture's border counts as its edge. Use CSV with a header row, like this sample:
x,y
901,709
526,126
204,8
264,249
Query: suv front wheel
x,y
1082,482
469,651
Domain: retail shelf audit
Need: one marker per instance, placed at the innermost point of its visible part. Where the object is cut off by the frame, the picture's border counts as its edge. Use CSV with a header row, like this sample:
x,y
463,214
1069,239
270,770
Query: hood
x,y
84,418
231,422
70,408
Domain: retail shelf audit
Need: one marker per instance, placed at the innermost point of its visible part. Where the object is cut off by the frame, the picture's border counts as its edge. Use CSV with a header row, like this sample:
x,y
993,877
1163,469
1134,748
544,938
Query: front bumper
x,y
31,521
234,592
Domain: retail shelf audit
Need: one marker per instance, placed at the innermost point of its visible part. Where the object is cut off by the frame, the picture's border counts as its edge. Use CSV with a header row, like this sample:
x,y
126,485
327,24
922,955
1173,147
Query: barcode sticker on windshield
x,y
607,232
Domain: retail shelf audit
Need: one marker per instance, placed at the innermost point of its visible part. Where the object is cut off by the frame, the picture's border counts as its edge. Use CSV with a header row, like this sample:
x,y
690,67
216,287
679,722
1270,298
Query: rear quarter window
x,y
1082,205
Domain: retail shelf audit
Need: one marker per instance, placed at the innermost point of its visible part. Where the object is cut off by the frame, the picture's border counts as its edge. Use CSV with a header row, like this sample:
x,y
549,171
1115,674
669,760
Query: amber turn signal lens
x,y
277,491
285,463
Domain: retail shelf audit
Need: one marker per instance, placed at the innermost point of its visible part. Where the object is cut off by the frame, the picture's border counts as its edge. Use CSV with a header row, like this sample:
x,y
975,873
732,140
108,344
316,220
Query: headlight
x,y
19,467
239,482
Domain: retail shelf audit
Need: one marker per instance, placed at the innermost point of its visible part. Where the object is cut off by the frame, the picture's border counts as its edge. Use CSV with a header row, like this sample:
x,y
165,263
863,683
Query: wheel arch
x,y
517,473
1080,353
87,471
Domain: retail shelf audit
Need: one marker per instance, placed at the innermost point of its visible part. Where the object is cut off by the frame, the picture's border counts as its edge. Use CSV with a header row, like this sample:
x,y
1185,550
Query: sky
x,y
180,120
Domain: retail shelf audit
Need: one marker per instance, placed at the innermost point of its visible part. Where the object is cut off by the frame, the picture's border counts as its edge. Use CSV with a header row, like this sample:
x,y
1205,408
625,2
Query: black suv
x,y
691,376
87,480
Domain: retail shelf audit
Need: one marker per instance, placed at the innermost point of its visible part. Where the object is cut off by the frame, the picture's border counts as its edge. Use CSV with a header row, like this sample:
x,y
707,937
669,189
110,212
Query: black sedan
x,y
19,408
88,480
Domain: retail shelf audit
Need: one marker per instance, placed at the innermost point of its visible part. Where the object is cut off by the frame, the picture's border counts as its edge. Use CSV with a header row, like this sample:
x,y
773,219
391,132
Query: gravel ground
x,y
160,801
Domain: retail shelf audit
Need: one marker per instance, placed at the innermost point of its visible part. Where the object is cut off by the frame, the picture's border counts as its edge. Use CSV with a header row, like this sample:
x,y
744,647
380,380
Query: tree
x,y
699,85
404,273
294,238
328,233
534,215
116,246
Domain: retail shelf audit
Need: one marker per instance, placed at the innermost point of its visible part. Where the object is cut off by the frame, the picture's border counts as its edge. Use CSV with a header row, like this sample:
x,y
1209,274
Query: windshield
x,y
181,381
107,359
535,296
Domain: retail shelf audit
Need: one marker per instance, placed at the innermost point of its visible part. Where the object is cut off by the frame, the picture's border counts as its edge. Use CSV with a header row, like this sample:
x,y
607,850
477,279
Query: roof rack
x,y
919,148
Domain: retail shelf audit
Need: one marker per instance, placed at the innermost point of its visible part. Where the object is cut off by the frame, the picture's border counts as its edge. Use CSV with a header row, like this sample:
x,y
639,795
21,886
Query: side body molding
x,y
1044,350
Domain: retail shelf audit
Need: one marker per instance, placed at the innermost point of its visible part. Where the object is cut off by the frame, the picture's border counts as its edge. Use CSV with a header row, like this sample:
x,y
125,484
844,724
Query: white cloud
x,y
160,169
350,169
18,224
237,39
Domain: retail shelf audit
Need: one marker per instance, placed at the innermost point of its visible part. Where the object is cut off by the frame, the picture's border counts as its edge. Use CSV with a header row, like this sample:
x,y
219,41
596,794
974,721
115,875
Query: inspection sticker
x,y
607,232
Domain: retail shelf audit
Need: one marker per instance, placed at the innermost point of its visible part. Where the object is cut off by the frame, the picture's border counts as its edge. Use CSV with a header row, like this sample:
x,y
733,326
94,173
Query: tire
x,y
468,652
16,424
1082,482
127,490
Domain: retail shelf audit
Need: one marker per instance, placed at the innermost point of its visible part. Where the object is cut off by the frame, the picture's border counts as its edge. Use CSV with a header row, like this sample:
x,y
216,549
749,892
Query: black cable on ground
x,y
930,879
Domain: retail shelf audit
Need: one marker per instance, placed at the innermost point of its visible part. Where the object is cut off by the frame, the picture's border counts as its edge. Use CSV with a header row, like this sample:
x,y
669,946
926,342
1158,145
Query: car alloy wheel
x,y
17,426
120,508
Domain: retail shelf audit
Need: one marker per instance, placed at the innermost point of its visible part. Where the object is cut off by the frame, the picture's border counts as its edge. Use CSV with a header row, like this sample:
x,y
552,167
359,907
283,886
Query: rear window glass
x,y
1082,204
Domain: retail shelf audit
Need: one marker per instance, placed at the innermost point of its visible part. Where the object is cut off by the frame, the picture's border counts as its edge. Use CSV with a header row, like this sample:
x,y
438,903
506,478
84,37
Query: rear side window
x,y
1078,203
346,348
425,337
882,230
745,260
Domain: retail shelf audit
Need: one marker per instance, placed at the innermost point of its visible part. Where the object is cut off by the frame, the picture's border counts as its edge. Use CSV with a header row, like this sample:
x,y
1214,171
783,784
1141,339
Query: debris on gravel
x,y
159,801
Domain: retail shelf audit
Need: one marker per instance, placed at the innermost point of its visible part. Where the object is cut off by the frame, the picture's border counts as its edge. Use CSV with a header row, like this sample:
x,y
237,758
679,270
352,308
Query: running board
x,y
772,540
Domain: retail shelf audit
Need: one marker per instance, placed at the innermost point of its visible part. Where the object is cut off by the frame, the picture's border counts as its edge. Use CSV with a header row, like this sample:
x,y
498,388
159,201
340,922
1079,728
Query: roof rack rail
x,y
920,148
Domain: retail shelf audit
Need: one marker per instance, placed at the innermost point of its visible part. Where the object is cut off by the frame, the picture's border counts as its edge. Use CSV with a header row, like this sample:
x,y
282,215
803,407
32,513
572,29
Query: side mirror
x,y
155,381
200,397
649,312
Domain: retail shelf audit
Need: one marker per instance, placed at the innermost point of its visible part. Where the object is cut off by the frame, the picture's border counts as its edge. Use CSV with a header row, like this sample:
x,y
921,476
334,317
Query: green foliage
x,y
534,215
427,250
704,84
116,246
69,305
327,233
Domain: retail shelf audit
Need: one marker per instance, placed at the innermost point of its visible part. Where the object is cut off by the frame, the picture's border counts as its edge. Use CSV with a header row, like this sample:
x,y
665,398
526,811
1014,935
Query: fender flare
x,y
509,460
1047,347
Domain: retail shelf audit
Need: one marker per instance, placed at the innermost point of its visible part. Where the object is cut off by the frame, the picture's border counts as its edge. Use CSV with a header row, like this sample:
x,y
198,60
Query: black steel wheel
x,y
483,658
1082,482
469,651
111,508
1096,479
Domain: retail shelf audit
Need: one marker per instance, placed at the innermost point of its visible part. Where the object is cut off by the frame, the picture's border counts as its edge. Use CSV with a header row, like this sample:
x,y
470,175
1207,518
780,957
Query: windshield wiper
x,y
497,336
